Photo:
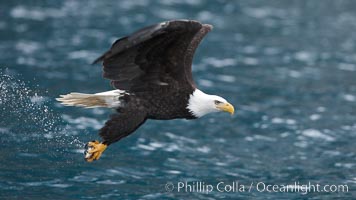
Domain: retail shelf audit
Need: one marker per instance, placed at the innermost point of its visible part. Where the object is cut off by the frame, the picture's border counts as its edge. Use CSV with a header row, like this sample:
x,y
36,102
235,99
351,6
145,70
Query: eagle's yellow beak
x,y
226,107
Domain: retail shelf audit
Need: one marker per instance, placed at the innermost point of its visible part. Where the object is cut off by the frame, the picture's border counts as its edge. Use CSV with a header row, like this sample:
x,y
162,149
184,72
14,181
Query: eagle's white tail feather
x,y
109,99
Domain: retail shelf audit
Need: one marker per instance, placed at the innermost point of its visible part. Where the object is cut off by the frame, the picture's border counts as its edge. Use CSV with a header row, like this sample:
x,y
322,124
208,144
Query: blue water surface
x,y
289,68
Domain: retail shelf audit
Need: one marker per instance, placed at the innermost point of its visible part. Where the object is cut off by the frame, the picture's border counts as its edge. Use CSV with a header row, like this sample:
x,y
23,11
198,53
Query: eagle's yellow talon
x,y
94,150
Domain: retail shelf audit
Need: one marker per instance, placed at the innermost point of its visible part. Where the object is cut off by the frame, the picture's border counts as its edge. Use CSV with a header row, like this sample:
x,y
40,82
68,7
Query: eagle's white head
x,y
201,104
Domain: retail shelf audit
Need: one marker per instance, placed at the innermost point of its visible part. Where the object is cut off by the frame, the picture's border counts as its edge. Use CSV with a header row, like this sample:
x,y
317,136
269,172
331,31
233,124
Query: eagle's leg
x,y
93,150
118,127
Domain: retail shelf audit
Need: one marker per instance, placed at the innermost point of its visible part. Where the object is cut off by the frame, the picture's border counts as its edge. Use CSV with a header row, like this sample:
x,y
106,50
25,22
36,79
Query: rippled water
x,y
287,66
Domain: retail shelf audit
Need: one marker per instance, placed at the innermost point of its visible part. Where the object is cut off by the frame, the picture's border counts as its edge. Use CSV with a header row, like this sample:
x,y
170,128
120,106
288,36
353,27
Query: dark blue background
x,y
287,66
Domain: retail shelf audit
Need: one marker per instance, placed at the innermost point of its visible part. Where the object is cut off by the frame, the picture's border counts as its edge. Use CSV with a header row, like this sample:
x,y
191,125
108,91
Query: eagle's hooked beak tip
x,y
231,109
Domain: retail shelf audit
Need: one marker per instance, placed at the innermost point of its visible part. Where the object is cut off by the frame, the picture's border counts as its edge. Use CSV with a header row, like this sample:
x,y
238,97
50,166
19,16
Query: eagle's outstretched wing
x,y
156,55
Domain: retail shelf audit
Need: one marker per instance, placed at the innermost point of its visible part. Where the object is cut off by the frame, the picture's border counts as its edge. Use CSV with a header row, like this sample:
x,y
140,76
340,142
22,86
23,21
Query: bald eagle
x,y
151,71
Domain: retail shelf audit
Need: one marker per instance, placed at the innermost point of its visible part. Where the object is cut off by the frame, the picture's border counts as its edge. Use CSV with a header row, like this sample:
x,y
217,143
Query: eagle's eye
x,y
217,102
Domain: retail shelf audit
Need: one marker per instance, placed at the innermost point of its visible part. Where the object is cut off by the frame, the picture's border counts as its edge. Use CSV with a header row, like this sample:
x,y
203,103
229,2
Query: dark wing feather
x,y
157,55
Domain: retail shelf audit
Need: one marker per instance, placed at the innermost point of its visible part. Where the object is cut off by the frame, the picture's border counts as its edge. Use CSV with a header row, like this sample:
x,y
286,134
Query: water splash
x,y
26,116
